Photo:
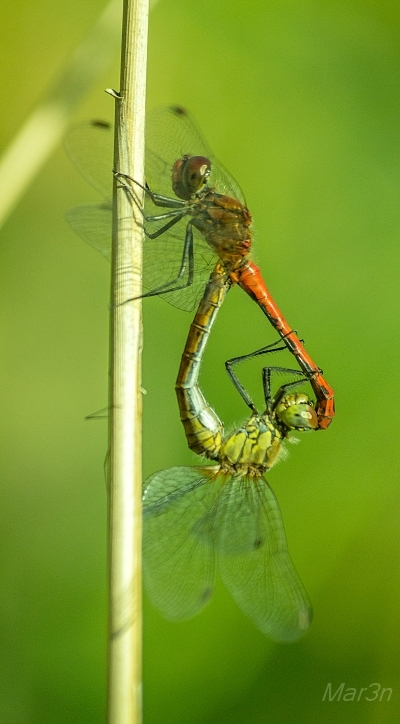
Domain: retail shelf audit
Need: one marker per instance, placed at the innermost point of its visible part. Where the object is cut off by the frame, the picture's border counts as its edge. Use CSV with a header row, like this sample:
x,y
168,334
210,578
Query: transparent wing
x,y
178,566
161,263
161,257
89,145
254,560
94,225
191,514
170,134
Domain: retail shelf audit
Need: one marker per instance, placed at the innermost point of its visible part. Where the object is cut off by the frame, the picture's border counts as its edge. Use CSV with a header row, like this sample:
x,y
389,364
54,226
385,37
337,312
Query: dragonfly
x,y
204,220
225,515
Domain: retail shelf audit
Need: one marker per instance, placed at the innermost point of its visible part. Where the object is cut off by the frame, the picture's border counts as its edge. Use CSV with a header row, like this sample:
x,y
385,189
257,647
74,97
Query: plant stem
x,y
125,514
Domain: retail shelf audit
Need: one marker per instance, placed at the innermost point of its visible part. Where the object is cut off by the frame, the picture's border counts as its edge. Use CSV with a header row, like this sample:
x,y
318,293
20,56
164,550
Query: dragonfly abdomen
x,y
203,428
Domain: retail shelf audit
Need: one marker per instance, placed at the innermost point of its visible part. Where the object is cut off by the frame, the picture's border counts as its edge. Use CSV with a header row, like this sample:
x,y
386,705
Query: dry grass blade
x,y
125,537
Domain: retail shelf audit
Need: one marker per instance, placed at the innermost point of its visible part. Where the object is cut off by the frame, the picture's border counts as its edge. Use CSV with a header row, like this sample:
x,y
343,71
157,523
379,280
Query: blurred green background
x,y
301,101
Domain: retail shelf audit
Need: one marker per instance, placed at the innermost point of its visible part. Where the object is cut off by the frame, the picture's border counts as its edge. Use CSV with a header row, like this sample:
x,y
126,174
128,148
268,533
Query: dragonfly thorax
x,y
189,175
253,447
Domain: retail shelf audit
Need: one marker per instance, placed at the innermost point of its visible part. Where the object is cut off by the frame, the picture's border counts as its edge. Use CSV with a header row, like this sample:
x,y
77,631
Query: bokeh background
x,y
300,99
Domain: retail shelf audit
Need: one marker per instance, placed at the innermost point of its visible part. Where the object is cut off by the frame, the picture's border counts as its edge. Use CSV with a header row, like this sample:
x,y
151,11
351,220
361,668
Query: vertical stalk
x,y
125,513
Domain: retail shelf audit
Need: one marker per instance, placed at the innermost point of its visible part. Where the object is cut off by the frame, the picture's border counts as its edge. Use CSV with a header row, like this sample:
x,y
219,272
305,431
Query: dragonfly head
x,y
189,175
297,412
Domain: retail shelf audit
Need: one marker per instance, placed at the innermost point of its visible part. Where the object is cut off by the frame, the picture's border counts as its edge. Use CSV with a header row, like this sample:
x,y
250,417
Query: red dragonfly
x,y
205,219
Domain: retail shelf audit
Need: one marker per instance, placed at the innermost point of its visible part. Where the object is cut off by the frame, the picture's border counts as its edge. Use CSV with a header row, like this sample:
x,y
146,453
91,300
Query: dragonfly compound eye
x,y
189,174
298,416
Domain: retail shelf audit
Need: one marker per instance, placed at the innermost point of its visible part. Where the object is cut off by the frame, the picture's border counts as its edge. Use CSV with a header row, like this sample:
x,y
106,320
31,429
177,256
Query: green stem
x,y
125,521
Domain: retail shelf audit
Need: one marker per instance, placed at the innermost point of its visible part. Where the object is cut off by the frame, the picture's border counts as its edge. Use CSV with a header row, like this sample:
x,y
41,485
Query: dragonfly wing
x,y
172,133
94,225
162,259
178,566
89,145
255,563
224,182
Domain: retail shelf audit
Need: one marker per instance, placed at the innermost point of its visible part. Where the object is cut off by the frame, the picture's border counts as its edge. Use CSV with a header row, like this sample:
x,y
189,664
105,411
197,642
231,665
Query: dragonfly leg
x,y
157,199
172,222
161,200
270,402
177,211
187,260
159,217
263,350
229,364
241,390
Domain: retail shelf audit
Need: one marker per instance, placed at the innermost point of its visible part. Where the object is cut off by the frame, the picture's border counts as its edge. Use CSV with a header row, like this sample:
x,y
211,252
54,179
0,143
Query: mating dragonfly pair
x,y
195,249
